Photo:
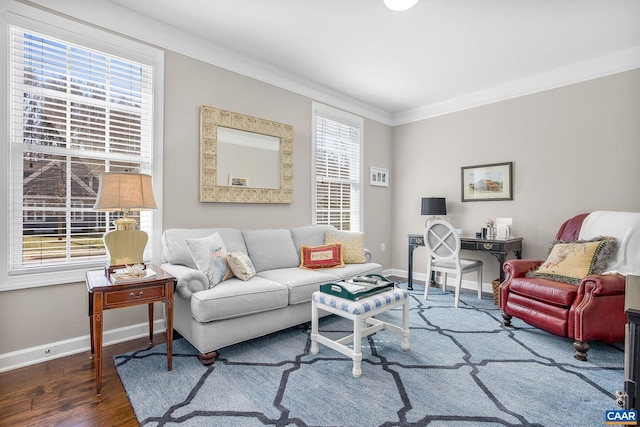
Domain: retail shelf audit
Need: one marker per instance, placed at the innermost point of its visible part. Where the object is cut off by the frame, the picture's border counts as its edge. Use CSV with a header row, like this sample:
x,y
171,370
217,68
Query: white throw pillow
x,y
241,265
210,256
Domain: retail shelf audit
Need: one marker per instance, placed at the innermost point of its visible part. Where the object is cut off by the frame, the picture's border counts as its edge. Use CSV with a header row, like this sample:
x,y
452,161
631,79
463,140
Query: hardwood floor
x,y
62,392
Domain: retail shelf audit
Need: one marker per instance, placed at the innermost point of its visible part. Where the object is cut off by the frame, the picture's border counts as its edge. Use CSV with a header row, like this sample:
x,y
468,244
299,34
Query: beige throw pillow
x,y
352,245
241,265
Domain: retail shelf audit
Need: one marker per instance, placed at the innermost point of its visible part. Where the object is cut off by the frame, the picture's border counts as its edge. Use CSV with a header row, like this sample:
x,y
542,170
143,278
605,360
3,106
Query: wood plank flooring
x,y
62,392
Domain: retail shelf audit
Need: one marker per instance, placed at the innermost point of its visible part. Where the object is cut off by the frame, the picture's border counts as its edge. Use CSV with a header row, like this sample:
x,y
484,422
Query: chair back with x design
x,y
441,240
443,247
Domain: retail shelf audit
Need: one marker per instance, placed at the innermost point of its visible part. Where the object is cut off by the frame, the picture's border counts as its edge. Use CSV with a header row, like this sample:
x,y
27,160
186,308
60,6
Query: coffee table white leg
x,y
357,346
405,325
314,327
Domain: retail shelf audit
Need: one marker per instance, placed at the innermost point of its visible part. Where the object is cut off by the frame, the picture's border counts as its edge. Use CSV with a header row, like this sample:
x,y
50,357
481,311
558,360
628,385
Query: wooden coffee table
x,y
104,295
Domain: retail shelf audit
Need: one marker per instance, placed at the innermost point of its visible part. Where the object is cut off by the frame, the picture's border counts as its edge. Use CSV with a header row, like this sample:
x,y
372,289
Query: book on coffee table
x,y
357,288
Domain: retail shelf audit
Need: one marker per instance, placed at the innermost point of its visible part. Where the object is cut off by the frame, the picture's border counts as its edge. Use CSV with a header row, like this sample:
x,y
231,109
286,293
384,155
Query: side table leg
x,y
314,327
97,331
150,323
93,348
169,316
357,347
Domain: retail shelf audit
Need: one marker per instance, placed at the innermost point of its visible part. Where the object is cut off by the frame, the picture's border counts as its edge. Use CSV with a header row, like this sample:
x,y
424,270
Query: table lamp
x,y
433,206
126,192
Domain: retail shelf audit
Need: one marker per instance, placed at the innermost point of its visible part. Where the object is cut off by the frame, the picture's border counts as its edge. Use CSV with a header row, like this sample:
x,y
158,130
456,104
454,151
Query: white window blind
x,y
74,112
337,166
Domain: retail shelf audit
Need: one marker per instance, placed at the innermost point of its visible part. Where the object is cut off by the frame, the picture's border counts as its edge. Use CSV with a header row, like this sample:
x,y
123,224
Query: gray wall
x,y
575,149
39,316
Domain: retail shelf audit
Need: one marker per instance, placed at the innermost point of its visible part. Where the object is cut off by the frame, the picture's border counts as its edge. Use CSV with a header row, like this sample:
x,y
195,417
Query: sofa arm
x,y
519,267
189,280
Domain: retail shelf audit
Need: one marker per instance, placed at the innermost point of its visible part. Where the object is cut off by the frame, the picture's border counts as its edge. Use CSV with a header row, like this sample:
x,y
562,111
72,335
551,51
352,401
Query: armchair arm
x,y
519,267
598,310
189,280
602,285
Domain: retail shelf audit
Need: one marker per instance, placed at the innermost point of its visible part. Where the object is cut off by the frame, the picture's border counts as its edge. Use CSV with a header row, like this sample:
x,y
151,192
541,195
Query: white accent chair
x,y
443,249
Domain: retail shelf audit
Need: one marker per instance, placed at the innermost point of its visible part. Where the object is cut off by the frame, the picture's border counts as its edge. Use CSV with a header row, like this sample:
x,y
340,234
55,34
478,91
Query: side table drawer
x,y
137,295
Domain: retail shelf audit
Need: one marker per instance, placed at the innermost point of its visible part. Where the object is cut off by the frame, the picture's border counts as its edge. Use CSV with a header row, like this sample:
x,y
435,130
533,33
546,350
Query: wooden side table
x,y
105,295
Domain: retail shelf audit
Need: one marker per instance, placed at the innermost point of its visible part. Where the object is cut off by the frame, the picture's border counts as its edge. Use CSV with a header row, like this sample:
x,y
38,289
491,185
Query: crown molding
x,y
116,19
603,66
119,20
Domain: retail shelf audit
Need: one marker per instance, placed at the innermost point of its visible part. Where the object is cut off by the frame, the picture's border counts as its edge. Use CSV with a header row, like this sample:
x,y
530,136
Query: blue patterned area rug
x,y
464,368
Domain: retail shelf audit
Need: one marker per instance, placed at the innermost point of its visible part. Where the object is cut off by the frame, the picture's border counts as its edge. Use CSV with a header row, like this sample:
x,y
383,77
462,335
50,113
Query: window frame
x,y
318,109
93,39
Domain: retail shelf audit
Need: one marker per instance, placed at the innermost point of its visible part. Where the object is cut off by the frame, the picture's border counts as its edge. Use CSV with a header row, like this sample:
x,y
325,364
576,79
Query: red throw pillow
x,y
326,256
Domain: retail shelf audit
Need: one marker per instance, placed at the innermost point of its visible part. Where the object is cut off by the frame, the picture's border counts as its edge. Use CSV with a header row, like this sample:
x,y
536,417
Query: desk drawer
x,y
134,295
488,246
472,246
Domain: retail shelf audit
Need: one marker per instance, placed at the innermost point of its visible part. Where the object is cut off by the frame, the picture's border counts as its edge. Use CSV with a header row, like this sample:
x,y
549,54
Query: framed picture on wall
x,y
487,182
379,177
239,180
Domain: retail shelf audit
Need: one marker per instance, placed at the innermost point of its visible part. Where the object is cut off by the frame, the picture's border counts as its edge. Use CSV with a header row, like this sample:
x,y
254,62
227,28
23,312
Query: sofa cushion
x,y
570,262
325,256
301,283
210,256
241,265
271,248
235,298
352,245
174,248
310,235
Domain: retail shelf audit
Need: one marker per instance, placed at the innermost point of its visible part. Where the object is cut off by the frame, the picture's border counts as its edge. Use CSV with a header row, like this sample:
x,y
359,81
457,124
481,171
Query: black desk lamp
x,y
433,206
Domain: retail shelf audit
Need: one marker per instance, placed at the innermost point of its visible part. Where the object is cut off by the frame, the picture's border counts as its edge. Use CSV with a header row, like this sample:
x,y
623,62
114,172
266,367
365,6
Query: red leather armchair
x,y
590,311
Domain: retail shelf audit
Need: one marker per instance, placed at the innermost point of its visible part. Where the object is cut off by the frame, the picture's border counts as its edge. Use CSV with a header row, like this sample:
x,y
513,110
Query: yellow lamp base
x,y
125,247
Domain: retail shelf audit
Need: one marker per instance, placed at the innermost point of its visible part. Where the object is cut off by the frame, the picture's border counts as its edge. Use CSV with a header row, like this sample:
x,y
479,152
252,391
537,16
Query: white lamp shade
x,y
123,191
400,5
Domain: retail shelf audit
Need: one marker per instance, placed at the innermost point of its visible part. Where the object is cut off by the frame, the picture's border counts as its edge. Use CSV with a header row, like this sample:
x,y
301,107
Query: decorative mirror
x,y
244,159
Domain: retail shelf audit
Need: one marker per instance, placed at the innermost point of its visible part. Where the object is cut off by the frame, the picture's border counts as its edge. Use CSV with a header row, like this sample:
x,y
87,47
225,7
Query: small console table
x,y
496,247
104,295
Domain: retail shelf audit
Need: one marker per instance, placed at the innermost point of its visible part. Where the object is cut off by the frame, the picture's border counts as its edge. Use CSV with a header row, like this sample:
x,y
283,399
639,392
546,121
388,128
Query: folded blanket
x,y
625,226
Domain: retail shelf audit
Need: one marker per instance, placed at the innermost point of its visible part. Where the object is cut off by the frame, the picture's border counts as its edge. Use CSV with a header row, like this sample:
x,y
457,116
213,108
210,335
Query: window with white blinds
x,y
74,113
337,168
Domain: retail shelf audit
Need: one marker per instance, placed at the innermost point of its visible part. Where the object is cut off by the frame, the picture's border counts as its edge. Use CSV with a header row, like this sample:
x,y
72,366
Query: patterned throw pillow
x,y
210,257
241,265
352,245
327,256
570,262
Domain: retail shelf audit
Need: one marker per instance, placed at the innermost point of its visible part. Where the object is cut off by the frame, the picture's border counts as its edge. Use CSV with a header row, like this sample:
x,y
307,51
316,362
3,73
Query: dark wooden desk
x,y
499,248
104,295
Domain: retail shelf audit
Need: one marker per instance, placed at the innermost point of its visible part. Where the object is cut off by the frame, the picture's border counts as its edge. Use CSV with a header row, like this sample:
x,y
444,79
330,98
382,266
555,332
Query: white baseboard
x,y
55,350
466,284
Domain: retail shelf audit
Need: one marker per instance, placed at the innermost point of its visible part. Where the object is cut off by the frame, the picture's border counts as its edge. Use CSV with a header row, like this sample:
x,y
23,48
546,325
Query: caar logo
x,y
621,417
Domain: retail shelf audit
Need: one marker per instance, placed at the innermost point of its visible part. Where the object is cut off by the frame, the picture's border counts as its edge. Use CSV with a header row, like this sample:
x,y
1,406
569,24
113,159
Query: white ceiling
x,y
440,55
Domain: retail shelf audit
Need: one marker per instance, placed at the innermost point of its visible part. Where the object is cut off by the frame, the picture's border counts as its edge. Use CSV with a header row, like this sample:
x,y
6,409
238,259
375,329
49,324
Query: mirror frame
x,y
210,191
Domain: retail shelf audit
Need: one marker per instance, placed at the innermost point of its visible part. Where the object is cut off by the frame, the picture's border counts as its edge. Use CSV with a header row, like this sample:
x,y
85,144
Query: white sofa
x,y
278,297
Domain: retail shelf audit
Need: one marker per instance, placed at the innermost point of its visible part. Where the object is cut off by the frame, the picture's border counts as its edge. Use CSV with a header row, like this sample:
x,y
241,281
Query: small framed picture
x,y
239,180
487,182
379,177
